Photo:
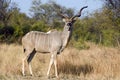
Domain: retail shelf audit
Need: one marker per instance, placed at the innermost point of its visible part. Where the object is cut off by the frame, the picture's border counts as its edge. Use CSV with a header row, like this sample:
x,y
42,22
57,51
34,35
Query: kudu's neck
x,y
66,35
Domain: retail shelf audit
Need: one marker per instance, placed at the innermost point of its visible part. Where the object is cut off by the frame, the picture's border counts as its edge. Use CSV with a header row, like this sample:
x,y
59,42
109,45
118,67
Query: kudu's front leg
x,y
53,60
50,64
55,63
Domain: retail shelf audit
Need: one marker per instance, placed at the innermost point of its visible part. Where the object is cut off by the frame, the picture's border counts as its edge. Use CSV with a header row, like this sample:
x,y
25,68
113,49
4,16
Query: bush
x,y
39,26
6,33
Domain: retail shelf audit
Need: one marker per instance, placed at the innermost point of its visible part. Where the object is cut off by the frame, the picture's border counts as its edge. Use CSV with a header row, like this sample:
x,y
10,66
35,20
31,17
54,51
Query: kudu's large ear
x,y
73,21
64,20
64,17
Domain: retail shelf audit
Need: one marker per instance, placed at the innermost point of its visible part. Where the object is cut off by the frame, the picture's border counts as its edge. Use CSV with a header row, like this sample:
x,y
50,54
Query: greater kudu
x,y
53,42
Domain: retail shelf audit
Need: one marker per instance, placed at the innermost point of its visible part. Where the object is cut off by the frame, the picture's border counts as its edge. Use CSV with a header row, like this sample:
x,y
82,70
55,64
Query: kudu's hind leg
x,y
23,61
29,59
23,66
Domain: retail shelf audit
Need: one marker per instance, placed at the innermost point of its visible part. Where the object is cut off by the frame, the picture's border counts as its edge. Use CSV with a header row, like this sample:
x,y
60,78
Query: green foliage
x,y
6,33
48,12
80,44
5,11
101,27
39,26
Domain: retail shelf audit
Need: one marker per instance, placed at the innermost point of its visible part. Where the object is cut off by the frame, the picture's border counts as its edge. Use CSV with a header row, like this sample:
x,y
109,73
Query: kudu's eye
x,y
69,24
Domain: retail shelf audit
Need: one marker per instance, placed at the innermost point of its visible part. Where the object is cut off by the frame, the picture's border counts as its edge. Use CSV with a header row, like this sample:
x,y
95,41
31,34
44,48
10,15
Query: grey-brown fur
x,y
52,42
42,42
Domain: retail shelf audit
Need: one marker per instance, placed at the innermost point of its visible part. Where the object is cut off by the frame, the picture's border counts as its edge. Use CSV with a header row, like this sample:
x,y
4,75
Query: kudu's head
x,y
69,21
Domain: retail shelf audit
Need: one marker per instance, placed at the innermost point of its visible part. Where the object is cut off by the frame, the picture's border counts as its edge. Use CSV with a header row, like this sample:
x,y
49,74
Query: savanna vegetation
x,y
101,27
92,54
96,63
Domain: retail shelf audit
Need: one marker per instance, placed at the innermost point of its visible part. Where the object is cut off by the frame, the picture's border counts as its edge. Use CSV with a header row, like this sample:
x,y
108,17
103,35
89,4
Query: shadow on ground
x,y
69,68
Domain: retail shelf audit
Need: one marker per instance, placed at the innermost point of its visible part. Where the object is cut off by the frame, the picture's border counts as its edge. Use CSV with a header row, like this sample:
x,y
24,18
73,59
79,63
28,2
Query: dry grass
x,y
10,57
97,63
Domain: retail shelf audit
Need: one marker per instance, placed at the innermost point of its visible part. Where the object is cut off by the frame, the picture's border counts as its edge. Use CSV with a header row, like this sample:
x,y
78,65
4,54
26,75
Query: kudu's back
x,y
42,42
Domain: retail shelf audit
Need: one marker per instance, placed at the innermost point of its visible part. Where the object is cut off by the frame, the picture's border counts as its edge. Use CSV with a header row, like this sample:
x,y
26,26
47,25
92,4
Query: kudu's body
x,y
53,42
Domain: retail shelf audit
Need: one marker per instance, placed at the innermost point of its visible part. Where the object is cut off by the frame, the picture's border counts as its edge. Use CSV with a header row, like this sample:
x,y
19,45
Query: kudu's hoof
x,y
31,75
